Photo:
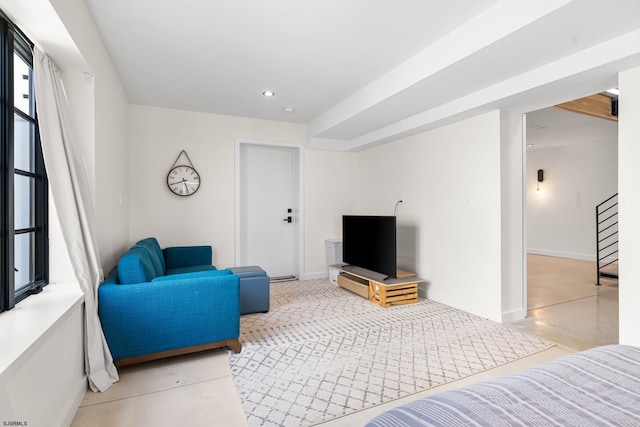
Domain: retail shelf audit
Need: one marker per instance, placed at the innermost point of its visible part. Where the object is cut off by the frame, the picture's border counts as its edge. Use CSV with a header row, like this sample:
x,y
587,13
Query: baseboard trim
x,y
314,276
461,304
512,316
560,254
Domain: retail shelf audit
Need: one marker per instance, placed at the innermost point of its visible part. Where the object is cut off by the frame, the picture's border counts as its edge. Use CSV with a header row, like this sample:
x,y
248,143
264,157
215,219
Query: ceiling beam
x,y
486,29
598,105
563,79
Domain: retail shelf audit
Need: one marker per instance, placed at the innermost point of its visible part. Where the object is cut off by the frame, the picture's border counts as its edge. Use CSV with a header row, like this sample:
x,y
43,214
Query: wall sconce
x,y
540,178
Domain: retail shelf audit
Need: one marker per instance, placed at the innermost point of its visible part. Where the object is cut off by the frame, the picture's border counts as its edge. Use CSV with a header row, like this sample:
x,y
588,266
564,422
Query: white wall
x,y
580,171
513,265
629,205
449,180
331,192
105,126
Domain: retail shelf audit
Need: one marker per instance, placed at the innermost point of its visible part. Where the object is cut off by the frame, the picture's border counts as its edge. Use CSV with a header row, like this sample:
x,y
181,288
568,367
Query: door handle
x,y
288,219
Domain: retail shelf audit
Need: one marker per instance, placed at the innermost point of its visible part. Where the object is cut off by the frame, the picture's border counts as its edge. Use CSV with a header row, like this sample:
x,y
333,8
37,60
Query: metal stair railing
x,y
607,238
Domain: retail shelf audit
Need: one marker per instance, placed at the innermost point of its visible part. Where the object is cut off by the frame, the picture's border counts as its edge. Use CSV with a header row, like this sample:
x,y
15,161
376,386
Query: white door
x,y
267,206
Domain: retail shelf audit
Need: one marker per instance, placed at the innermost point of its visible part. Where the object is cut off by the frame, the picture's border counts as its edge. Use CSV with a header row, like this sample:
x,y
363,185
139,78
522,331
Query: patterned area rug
x,y
323,352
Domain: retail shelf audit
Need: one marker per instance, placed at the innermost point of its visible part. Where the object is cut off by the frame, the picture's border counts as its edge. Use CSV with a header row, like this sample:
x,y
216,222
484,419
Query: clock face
x,y
183,180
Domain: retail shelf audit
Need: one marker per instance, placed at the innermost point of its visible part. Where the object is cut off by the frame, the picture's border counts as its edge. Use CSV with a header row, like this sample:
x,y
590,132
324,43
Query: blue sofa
x,y
159,303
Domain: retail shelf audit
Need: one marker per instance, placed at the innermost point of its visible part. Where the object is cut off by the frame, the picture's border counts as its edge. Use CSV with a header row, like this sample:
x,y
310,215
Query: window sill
x,y
24,328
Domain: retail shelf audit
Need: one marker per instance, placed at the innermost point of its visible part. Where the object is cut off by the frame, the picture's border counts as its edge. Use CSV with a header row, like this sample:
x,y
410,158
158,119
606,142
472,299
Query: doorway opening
x,y
571,167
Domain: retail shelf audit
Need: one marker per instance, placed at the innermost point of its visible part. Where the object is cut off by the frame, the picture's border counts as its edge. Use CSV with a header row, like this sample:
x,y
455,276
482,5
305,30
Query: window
x,y
24,254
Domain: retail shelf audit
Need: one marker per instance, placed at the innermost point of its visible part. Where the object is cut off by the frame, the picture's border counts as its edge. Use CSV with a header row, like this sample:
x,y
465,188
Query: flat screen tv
x,y
369,242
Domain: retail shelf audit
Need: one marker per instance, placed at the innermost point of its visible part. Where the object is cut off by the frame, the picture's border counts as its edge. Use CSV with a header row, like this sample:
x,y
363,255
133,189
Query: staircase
x,y
607,239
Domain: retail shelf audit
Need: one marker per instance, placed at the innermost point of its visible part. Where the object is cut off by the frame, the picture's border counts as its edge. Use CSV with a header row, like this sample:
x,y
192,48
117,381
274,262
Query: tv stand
x,y
374,286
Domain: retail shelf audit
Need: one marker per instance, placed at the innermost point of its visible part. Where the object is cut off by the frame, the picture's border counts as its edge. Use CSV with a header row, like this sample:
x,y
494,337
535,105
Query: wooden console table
x,y
385,293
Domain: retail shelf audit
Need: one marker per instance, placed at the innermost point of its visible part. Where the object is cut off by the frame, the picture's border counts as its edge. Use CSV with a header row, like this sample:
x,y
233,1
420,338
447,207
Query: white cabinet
x,y
333,249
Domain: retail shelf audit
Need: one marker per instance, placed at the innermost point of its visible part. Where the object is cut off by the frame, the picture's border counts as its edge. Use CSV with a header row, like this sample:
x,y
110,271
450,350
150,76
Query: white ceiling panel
x,y
362,72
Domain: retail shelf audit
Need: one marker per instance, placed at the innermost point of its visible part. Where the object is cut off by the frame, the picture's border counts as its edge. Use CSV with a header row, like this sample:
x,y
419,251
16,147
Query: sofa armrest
x,y
152,317
187,256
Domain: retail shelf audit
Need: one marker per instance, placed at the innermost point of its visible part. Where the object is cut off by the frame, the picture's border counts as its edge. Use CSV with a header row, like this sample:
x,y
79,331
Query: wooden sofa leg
x,y
235,345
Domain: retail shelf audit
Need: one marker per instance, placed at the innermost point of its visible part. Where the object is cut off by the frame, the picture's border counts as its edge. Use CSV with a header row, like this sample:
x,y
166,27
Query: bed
x,y
597,387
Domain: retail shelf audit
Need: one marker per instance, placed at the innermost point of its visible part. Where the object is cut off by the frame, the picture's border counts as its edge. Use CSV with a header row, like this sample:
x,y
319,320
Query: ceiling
x,y
360,73
555,127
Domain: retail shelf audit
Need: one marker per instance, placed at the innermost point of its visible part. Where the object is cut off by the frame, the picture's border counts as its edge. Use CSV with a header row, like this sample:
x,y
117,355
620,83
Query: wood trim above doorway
x,y
598,105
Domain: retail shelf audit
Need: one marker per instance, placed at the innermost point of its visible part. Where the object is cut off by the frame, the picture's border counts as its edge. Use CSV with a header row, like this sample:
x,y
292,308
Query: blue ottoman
x,y
254,289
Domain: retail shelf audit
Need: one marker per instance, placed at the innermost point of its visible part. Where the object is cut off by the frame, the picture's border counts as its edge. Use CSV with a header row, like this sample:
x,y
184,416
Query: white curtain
x,y
69,183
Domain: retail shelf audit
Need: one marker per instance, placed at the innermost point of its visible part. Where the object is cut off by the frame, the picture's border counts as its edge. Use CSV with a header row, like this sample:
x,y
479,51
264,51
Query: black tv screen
x,y
369,242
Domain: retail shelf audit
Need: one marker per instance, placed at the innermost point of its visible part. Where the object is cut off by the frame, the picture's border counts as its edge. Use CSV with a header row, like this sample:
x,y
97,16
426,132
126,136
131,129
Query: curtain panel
x,y
69,184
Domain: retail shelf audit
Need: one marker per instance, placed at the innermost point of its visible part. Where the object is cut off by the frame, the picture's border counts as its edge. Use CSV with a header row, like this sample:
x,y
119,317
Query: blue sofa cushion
x,y
187,256
192,275
189,269
157,257
136,266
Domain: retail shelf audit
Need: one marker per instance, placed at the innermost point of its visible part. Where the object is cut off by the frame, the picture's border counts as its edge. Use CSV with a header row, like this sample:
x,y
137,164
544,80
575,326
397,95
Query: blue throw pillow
x,y
185,256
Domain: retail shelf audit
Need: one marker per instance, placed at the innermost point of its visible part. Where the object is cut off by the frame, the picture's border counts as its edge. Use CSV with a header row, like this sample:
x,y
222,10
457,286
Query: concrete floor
x,y
564,307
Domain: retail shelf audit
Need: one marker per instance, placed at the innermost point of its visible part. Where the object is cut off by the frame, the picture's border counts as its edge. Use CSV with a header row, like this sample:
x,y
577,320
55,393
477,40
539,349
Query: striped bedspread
x,y
597,387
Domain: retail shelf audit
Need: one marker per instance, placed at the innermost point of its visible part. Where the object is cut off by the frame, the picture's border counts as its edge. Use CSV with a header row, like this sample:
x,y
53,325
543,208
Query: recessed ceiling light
x,y
613,91
288,109
268,93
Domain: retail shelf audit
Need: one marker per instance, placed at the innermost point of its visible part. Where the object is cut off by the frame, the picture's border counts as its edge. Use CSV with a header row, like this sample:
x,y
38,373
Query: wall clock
x,y
183,179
